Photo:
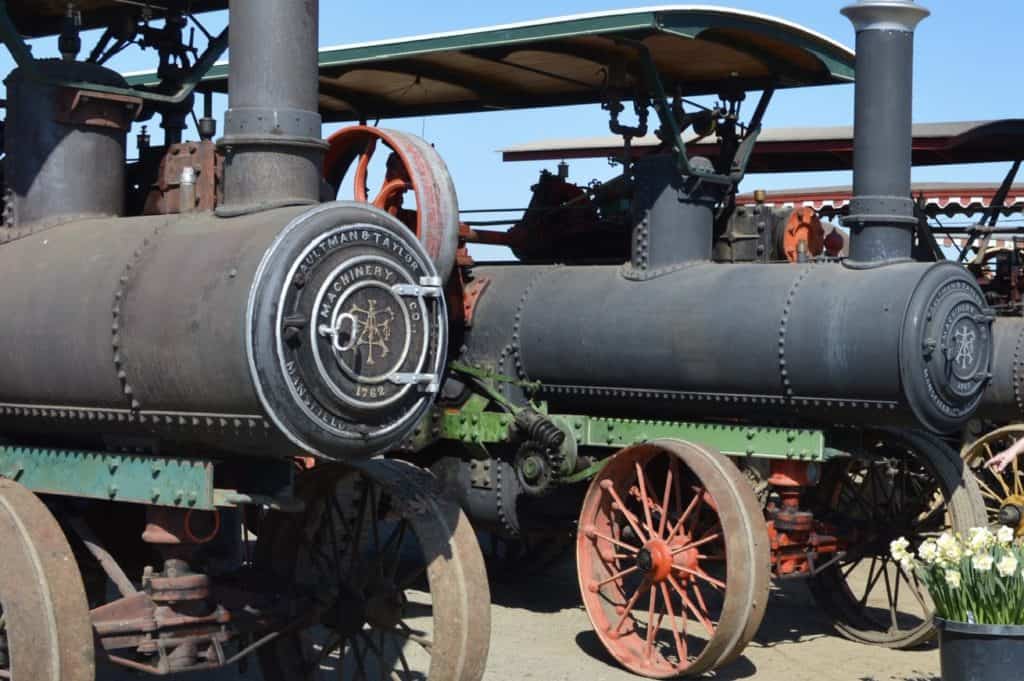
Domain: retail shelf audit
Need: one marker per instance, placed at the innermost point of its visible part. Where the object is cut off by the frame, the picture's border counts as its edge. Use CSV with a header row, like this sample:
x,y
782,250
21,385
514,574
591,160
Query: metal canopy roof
x,y
812,149
569,60
34,18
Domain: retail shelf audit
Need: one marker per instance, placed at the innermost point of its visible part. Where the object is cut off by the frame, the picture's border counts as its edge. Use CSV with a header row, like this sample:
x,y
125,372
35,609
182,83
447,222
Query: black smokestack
x,y
272,140
882,213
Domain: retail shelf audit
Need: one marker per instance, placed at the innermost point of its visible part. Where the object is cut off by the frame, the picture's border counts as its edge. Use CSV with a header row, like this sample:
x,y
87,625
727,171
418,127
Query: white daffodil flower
x,y
1007,565
898,548
980,539
1005,535
928,552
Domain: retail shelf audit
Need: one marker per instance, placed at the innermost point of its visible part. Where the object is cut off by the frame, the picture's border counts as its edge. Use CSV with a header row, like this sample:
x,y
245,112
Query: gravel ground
x,y
541,633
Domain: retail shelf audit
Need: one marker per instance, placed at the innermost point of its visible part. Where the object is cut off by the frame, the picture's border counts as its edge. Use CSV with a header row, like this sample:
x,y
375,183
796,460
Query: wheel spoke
x,y
622,545
664,503
374,520
358,531
626,513
692,545
680,642
892,601
701,617
988,491
695,503
617,576
416,637
851,567
699,595
1018,485
915,588
700,574
872,578
629,606
677,484
645,501
362,169
360,662
400,649
651,629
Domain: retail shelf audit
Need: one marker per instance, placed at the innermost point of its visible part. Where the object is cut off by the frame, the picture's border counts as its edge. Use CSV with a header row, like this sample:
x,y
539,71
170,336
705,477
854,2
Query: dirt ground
x,y
541,633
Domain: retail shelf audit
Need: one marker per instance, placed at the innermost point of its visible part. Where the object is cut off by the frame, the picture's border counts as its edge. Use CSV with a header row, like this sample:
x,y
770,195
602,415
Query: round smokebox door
x,y
349,331
951,327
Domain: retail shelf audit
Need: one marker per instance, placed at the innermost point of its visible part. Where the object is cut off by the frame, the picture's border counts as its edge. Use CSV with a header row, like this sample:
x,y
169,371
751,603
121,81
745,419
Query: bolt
x,y
292,336
531,468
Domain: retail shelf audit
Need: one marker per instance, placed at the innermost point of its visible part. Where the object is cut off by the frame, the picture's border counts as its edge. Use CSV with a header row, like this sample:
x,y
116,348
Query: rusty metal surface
x,y
471,294
64,161
165,193
45,613
96,109
419,168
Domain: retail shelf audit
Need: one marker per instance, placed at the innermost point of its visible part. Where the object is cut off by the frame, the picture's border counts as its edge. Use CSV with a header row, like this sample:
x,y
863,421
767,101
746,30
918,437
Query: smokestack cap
x,y
885,15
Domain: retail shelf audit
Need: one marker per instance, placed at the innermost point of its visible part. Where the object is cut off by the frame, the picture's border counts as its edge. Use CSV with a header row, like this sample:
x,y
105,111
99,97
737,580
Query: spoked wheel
x,y
902,484
45,631
999,489
673,559
413,167
392,573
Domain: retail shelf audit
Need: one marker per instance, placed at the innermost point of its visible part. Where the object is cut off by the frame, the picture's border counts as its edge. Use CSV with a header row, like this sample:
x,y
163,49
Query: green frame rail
x,y
484,427
133,478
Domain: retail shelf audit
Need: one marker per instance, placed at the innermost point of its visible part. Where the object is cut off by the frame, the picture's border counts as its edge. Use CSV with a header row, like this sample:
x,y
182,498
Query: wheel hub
x,y
655,559
1011,513
384,606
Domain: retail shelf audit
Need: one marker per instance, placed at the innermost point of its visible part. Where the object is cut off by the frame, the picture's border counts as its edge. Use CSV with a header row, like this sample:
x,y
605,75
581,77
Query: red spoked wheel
x,y
413,165
673,559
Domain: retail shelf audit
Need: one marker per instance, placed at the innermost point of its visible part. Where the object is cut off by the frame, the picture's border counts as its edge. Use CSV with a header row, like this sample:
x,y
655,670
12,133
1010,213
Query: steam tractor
x,y
180,340
207,352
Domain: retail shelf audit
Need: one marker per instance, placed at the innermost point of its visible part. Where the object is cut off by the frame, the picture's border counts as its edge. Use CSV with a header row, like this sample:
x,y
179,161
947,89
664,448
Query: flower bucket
x,y
980,652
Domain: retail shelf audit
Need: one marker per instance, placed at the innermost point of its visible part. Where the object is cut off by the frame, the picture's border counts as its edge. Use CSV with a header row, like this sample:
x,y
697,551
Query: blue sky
x,y
969,56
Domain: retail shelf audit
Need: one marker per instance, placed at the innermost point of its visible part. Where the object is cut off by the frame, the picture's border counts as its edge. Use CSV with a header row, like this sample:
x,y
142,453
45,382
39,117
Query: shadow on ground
x,y
792,615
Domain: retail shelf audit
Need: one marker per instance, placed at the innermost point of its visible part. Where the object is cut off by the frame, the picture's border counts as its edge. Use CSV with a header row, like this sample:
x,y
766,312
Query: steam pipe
x,y
882,212
272,140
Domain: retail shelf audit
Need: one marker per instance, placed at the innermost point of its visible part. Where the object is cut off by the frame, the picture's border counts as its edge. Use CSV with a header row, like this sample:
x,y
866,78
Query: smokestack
x,y
882,212
272,140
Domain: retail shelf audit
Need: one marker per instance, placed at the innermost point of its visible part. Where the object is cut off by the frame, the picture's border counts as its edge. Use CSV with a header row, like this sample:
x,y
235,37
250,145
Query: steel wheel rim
x,y
47,632
672,569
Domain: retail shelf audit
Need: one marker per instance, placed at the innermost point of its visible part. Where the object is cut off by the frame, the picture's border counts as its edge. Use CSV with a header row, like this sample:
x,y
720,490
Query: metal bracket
x,y
430,382
429,287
